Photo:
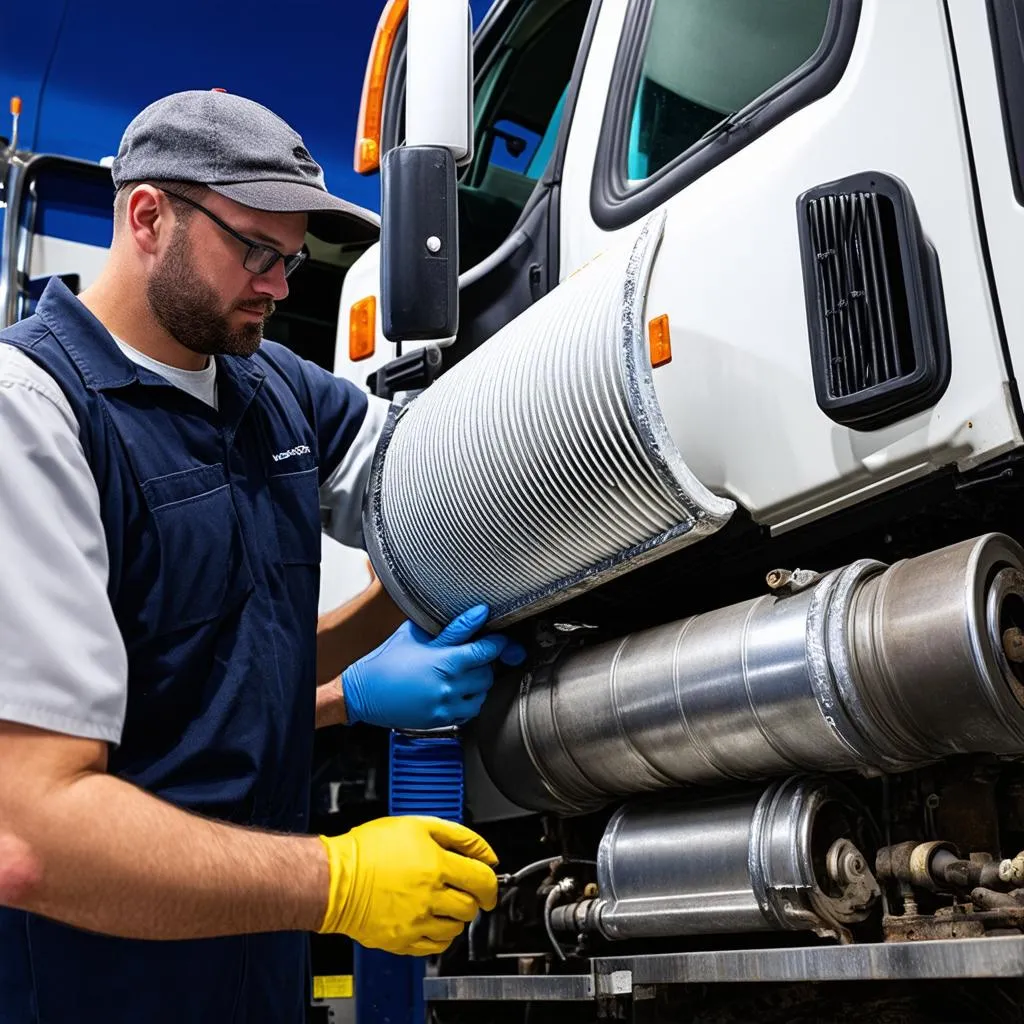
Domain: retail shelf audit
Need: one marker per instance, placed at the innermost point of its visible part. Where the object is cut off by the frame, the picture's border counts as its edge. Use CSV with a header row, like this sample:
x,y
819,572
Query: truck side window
x,y
688,71
705,60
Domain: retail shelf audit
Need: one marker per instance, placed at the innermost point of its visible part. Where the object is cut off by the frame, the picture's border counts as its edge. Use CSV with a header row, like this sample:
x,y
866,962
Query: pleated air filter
x,y
540,465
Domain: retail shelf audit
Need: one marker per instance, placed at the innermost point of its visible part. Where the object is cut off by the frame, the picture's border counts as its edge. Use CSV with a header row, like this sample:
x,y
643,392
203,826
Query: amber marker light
x,y
371,105
362,324
660,340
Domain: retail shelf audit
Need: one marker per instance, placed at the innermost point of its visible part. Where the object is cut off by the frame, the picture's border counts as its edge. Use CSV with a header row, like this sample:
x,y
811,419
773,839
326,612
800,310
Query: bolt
x,y
850,867
778,578
1013,644
434,243
529,965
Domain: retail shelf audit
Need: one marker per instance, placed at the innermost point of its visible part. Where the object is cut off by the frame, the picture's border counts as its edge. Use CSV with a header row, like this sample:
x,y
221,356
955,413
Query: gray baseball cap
x,y
241,150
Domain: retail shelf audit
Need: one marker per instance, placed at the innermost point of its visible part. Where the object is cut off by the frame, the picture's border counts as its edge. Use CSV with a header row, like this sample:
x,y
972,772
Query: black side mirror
x,y
419,268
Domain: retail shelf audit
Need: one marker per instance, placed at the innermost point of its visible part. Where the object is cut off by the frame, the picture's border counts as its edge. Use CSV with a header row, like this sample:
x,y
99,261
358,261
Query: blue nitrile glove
x,y
414,681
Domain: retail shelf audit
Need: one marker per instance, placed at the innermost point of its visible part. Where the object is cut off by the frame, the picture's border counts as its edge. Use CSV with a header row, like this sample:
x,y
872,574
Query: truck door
x,y
822,272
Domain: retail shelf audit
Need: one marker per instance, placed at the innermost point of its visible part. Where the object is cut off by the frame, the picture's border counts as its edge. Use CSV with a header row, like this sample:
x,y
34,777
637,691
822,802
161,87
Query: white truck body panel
x,y
1003,214
738,395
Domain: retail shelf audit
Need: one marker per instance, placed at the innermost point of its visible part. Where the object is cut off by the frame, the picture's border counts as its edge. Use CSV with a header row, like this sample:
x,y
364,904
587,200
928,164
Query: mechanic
x,y
162,472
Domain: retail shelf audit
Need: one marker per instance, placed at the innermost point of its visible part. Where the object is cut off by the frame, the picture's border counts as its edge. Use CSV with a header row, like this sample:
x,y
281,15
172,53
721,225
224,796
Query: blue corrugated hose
x,y
426,777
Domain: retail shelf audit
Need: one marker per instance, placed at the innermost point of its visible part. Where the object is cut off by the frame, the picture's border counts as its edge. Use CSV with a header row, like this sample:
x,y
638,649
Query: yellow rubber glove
x,y
408,884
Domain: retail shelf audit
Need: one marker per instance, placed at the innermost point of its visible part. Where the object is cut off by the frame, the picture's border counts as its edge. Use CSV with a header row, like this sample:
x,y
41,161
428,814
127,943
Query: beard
x,y
190,311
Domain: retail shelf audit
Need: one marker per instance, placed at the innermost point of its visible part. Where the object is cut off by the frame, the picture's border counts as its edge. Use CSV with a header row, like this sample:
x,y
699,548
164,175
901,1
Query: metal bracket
x,y
791,581
616,977
616,983
412,371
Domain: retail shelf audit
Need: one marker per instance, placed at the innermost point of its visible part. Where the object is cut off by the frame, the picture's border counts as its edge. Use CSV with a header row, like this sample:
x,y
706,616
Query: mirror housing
x,y
439,77
419,265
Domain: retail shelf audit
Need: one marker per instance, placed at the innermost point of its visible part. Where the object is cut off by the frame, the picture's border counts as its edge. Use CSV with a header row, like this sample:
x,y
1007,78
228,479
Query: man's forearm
x,y
352,630
330,704
103,855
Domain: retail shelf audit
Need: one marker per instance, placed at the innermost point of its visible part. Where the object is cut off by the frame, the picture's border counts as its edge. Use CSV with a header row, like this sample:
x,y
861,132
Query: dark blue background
x,y
84,68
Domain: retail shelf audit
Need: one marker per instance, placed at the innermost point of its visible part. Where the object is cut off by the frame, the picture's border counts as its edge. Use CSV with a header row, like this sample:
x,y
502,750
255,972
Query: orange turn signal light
x,y
371,105
362,328
660,340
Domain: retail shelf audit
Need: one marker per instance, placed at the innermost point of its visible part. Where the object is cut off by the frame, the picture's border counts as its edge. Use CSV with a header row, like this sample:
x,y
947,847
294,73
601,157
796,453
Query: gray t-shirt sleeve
x,y
63,665
342,492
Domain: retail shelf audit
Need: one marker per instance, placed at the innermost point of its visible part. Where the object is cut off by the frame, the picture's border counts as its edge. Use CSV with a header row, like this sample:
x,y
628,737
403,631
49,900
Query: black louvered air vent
x,y
879,346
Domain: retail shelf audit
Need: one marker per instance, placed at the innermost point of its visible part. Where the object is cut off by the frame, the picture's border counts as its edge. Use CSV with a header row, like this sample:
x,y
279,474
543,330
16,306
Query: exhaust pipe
x,y
867,668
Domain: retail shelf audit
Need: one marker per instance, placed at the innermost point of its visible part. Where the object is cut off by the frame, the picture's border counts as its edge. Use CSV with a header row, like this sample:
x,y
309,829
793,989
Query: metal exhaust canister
x,y
867,668
783,858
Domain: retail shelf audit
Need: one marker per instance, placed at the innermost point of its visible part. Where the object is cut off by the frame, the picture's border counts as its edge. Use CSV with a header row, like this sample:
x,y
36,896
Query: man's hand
x,y
414,681
408,884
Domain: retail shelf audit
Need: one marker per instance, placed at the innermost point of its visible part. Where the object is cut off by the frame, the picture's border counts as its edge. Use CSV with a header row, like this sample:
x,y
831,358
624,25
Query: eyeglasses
x,y
259,258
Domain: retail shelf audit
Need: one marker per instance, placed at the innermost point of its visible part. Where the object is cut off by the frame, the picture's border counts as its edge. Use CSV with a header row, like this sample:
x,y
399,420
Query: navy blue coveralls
x,y
214,578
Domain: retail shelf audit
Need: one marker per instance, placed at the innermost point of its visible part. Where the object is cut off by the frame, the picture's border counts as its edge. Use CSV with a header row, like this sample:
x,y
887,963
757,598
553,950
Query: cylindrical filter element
x,y
540,465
